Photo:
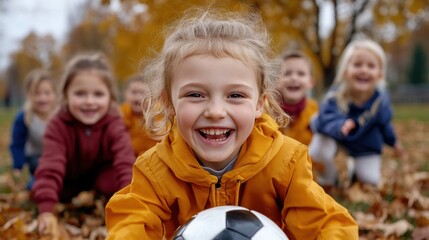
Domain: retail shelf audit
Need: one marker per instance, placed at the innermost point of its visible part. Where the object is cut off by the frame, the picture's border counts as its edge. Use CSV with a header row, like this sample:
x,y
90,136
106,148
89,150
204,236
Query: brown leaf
x,y
363,193
421,233
396,229
85,198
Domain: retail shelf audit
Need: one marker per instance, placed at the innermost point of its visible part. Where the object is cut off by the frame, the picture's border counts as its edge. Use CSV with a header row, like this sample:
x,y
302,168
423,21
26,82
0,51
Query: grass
x,y
418,112
405,117
6,120
403,112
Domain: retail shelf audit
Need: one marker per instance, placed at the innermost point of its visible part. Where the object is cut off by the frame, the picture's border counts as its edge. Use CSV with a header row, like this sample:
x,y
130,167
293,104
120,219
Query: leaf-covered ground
x,y
400,210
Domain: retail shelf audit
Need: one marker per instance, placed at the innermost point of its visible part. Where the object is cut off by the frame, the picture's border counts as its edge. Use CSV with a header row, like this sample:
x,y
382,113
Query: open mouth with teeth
x,y
216,135
362,80
293,88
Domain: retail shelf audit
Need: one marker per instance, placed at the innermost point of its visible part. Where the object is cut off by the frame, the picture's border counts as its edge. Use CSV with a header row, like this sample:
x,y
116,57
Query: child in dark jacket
x,y
356,114
86,144
30,123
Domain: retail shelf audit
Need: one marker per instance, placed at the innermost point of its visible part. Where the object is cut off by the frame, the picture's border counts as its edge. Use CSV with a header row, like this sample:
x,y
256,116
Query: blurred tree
x,y
89,33
128,31
418,72
34,52
401,49
140,27
118,34
292,24
321,28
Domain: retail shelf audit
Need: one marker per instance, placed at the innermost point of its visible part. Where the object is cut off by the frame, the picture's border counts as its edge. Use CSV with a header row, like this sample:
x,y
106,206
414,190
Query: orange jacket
x,y
134,123
272,175
299,127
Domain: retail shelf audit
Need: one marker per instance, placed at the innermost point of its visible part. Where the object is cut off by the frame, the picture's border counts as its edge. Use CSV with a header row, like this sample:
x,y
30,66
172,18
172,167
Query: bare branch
x,y
334,54
355,15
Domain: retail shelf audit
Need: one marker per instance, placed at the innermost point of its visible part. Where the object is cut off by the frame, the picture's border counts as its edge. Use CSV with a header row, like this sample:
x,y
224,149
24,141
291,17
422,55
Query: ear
x,y
172,110
381,75
312,82
260,106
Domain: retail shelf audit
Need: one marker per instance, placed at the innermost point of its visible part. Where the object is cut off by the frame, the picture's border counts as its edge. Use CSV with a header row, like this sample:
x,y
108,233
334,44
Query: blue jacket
x,y
18,140
373,124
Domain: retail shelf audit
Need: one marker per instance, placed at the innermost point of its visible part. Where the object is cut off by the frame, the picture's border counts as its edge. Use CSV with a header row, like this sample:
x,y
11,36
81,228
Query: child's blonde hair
x,y
89,62
342,94
31,83
217,34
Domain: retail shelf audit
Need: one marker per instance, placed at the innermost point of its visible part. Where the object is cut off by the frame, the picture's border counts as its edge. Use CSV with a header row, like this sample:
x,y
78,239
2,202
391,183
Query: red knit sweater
x,y
74,153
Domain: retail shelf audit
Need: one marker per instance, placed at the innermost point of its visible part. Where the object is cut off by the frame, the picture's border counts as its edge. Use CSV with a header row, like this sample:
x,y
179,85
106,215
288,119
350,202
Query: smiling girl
x,y
356,113
212,97
30,123
86,145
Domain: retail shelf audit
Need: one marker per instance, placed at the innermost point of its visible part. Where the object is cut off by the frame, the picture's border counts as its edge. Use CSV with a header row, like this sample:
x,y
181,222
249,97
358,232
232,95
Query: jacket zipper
x,y
218,185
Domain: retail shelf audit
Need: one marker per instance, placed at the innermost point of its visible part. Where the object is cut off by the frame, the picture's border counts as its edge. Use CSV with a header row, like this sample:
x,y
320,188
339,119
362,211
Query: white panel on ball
x,y
242,224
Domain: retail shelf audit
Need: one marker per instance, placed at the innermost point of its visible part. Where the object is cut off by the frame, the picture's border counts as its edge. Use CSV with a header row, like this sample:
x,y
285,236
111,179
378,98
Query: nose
x,y
90,99
215,109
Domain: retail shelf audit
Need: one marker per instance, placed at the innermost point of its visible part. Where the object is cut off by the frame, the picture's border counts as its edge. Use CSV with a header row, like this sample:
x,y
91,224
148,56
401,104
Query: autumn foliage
x,y
400,210
133,32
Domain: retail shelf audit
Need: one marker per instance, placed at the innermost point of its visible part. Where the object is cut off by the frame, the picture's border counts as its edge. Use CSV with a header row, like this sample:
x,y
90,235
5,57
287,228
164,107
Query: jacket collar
x,y
255,154
65,115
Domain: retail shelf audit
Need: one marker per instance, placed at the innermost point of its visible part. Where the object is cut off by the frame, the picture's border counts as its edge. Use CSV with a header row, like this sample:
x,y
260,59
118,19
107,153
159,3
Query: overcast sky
x,y
22,16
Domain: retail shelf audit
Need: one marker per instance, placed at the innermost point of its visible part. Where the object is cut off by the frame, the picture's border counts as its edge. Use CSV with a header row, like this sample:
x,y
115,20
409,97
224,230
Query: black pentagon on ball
x,y
240,225
179,232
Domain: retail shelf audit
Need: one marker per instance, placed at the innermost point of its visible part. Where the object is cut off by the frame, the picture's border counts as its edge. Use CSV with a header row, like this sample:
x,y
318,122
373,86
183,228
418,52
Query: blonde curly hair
x,y
216,33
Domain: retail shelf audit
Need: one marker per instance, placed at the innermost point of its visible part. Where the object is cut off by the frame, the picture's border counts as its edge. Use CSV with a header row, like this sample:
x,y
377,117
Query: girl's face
x,y
88,97
43,99
216,102
295,80
134,95
363,71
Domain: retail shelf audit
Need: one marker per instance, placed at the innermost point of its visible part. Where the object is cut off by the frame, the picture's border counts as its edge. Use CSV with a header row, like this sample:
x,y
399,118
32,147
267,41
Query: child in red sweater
x,y
86,145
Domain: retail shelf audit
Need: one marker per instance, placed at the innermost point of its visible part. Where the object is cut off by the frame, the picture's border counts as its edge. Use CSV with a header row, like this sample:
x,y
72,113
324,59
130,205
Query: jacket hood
x,y
256,152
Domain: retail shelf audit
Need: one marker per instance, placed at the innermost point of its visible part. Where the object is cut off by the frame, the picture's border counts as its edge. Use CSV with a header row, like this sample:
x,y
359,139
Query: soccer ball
x,y
229,223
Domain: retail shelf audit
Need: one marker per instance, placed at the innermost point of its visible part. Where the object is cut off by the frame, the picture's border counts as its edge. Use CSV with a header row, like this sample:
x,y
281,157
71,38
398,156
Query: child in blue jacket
x,y
356,113
29,124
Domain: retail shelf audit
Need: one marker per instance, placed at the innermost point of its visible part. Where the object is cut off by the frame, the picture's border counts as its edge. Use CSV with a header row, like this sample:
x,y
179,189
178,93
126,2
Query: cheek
x,y
380,74
185,115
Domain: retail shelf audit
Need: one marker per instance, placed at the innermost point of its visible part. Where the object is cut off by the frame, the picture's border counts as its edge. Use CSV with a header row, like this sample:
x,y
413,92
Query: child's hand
x,y
17,173
48,225
85,198
347,127
398,149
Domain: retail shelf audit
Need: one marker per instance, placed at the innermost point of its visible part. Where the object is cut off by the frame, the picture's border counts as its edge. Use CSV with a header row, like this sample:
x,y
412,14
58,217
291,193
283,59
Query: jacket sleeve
x,y
137,211
18,140
330,119
310,213
386,114
51,169
123,153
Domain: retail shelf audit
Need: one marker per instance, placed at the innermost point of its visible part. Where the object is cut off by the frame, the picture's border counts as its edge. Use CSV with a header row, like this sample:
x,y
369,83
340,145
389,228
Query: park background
x,y
130,31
